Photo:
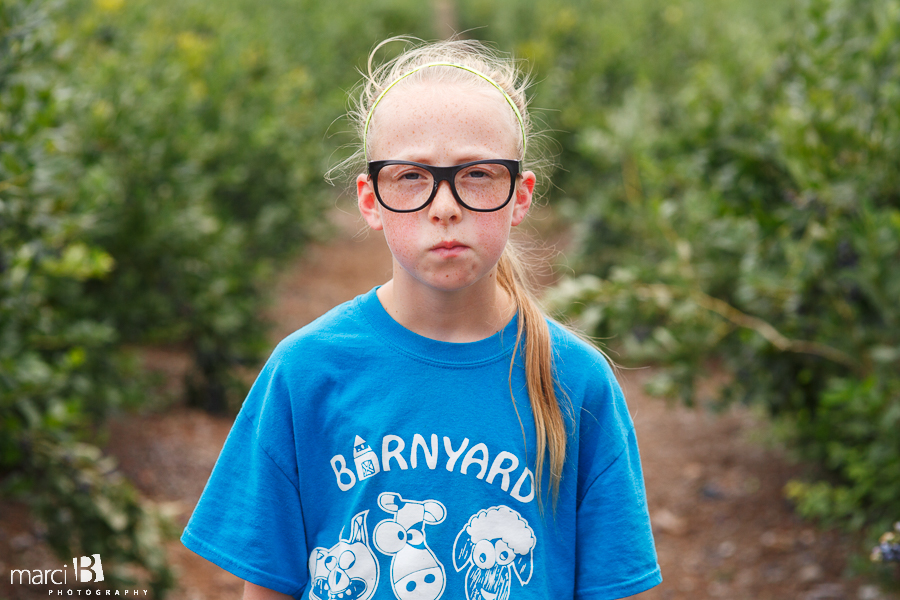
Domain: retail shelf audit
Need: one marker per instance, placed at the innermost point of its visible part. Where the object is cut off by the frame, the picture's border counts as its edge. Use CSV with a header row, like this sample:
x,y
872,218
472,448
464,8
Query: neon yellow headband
x,y
439,64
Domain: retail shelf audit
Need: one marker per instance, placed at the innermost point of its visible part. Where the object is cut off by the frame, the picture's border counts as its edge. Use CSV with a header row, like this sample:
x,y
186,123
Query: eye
x,y
390,537
505,555
483,171
483,554
406,173
415,537
330,563
346,560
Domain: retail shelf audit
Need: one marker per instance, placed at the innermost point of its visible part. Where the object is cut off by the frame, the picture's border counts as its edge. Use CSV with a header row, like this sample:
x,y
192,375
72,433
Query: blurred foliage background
x,y
731,170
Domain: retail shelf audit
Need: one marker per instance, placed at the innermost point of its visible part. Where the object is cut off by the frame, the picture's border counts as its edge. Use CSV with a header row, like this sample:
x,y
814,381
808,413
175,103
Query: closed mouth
x,y
448,245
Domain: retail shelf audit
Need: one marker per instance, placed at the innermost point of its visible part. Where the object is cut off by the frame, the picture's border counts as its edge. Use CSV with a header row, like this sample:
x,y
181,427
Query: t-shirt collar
x,y
483,351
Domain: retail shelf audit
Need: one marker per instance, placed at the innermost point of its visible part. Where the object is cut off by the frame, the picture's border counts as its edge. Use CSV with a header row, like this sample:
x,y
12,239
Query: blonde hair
x,y
550,426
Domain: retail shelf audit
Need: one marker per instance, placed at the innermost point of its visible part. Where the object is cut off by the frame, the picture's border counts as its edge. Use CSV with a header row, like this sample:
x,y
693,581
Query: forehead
x,y
443,124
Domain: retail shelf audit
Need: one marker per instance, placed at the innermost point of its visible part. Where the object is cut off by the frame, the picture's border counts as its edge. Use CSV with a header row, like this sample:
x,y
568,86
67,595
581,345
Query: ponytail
x,y
549,425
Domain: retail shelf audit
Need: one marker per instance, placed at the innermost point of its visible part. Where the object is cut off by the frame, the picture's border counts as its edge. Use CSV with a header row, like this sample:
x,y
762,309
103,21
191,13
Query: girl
x,y
436,437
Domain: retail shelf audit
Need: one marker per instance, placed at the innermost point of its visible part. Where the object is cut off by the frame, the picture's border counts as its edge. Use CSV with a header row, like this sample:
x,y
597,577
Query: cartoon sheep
x,y
494,542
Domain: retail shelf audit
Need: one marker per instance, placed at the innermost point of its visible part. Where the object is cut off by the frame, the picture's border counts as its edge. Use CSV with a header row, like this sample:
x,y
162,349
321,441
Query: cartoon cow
x,y
346,571
416,574
494,542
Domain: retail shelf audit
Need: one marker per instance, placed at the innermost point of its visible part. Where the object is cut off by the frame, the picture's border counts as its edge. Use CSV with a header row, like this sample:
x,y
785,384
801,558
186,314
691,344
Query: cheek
x,y
401,232
492,231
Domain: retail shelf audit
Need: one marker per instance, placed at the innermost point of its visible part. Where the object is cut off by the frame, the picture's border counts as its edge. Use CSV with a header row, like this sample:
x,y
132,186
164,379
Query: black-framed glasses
x,y
481,186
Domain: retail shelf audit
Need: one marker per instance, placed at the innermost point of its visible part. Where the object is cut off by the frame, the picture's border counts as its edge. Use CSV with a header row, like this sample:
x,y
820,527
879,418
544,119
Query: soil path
x,y
721,525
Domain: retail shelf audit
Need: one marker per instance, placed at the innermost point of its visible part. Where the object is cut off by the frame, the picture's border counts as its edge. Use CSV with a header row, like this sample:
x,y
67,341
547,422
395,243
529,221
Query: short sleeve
x,y
615,552
249,519
614,536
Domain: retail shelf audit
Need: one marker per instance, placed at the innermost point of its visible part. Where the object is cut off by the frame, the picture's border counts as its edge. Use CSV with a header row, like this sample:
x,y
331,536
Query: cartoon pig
x,y
346,571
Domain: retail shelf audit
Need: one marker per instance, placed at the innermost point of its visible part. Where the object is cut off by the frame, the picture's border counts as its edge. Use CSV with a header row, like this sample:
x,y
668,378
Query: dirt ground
x,y
722,527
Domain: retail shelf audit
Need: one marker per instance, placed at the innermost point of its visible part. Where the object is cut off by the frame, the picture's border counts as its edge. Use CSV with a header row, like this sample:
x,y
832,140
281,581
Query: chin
x,y
449,280
451,284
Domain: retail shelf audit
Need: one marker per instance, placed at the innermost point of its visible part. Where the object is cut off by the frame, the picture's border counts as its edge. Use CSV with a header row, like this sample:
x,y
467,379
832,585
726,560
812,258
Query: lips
x,y
448,245
449,248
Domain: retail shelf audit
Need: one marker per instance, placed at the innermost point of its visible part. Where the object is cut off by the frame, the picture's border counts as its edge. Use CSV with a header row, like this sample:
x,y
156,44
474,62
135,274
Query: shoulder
x,y
586,380
332,333
577,361
309,361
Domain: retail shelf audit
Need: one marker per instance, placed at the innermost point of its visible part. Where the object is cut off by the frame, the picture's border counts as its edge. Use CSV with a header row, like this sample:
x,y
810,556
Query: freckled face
x,y
444,246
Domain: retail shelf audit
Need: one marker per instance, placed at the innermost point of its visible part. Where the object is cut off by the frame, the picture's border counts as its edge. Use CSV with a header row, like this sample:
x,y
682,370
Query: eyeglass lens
x,y
483,186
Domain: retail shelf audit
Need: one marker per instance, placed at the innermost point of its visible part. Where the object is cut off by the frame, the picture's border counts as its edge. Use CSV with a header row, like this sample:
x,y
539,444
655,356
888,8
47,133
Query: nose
x,y
338,581
444,208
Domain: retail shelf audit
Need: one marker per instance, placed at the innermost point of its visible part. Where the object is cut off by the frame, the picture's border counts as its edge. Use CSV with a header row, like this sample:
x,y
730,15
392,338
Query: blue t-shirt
x,y
369,462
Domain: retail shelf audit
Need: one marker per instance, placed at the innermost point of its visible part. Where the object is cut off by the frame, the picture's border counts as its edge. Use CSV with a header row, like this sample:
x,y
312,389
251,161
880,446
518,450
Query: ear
x,y
524,566
434,512
524,195
389,502
462,550
358,531
367,202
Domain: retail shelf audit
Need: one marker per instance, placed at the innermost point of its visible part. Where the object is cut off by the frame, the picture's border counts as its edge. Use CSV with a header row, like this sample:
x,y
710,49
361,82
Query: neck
x,y
467,315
